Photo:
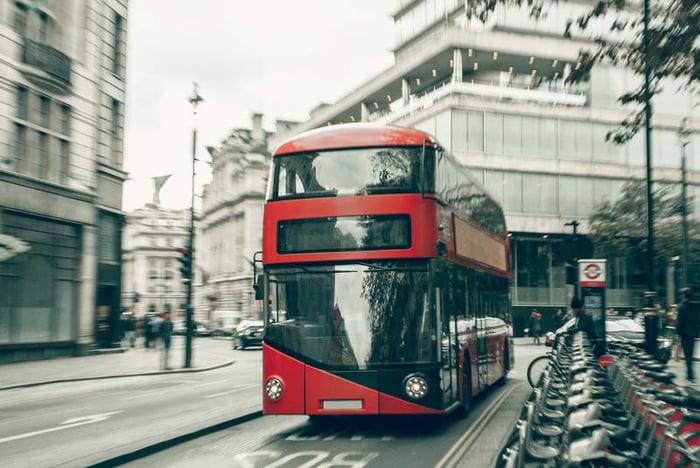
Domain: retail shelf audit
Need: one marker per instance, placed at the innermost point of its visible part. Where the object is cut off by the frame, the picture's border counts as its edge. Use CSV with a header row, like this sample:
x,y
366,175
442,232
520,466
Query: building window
x,y
63,155
44,112
115,131
42,147
65,120
118,47
20,24
20,147
43,28
22,95
108,238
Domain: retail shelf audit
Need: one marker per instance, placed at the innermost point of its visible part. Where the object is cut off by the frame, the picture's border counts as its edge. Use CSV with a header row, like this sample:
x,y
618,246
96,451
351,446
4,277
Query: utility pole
x,y
575,224
684,136
651,316
194,100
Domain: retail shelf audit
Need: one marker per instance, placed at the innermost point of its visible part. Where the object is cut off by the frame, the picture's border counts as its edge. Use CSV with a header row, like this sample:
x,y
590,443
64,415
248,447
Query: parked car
x,y
202,330
248,333
179,327
623,329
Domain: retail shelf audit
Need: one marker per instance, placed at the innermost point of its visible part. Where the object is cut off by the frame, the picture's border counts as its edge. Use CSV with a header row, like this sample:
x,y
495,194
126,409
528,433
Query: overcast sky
x,y
277,57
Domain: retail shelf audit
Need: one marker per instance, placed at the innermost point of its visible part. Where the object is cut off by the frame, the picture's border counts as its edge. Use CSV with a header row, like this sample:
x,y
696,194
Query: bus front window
x,y
354,316
347,172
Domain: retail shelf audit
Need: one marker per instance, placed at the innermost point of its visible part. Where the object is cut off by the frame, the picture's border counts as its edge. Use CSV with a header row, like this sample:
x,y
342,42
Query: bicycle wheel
x,y
536,369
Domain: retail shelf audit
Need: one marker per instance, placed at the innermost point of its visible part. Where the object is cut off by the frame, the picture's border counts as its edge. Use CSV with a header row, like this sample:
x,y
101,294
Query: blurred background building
x,y
62,91
495,95
152,280
230,230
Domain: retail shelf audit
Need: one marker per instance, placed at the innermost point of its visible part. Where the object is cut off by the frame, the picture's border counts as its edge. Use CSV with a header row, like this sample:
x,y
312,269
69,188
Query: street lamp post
x,y
194,100
684,136
575,224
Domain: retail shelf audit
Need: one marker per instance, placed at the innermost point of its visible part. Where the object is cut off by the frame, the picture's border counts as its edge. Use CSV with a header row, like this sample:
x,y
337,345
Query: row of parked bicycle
x,y
622,409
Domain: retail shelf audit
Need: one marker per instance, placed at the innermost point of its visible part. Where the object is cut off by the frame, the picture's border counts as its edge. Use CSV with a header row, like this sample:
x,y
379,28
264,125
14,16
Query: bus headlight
x,y
415,386
273,388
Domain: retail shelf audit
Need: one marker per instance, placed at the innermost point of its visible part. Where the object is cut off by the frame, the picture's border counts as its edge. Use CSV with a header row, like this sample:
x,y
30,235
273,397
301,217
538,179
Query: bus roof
x,y
354,135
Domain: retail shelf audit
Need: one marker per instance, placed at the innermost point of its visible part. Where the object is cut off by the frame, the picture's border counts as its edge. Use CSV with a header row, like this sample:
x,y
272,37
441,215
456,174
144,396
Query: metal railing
x,y
48,59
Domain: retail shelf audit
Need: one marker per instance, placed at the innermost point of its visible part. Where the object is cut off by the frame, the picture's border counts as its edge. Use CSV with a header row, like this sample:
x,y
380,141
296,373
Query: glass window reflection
x,y
353,316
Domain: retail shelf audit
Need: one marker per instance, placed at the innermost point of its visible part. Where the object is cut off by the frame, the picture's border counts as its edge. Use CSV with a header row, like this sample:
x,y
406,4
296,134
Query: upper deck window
x,y
356,171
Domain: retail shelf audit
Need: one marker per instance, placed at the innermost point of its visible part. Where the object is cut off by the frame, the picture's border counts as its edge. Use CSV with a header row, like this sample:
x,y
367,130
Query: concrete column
x,y
88,277
364,113
405,91
457,65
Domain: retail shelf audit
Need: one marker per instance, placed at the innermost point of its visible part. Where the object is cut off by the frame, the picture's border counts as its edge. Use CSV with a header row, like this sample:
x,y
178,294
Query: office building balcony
x,y
47,66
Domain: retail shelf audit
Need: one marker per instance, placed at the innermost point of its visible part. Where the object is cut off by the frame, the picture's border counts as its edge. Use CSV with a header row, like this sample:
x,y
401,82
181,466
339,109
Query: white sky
x,y
277,57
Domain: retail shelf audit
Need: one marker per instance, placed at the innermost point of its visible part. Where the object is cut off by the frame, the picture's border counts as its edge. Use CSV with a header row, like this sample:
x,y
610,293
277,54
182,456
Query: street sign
x,y
591,273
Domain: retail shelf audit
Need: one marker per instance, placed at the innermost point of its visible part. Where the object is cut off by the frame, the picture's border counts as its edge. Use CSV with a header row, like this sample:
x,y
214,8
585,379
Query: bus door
x,y
449,347
482,351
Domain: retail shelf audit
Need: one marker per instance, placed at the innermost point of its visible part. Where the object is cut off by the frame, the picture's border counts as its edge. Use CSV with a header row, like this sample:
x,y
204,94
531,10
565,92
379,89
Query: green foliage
x,y
672,48
617,227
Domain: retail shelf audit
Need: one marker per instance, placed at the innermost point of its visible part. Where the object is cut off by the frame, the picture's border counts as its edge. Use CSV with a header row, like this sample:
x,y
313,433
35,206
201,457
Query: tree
x,y
619,227
673,48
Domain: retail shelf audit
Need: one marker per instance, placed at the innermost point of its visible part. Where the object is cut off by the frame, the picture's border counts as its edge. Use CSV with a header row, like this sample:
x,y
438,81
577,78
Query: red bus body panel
x,y
424,227
291,372
354,136
319,386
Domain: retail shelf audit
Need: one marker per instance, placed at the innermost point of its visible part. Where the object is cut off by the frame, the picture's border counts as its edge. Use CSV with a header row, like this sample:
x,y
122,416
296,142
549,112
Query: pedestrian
x,y
154,327
558,320
584,322
166,331
688,325
672,331
535,326
148,331
127,325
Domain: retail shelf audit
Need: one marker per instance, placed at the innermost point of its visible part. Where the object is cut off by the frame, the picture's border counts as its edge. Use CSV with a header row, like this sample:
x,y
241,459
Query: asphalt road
x,y
84,423
81,423
294,441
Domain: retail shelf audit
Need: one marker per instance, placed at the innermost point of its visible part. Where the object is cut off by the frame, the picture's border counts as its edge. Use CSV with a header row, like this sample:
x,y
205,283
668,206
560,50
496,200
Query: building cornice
x,y
46,186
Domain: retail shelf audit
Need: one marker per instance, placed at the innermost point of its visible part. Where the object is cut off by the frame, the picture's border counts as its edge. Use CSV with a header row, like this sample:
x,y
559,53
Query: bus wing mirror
x,y
258,287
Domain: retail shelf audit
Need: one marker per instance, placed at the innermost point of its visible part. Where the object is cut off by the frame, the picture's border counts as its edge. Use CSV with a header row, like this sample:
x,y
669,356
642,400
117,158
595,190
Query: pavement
x,y
207,354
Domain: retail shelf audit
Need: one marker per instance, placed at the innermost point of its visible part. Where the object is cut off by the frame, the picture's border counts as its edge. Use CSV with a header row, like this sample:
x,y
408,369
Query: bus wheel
x,y
466,390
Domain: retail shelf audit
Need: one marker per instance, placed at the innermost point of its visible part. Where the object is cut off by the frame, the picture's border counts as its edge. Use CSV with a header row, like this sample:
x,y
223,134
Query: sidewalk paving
x,y
207,354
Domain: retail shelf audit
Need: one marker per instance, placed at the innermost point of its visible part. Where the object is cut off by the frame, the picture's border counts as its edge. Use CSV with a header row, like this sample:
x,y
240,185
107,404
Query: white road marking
x,y
234,390
67,424
210,383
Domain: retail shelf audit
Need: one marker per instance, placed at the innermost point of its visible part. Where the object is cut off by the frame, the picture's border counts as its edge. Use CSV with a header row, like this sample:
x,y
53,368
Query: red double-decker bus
x,y
386,275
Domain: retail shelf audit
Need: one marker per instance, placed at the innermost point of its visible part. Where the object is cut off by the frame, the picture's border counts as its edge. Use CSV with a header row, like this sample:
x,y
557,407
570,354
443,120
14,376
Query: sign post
x,y
592,280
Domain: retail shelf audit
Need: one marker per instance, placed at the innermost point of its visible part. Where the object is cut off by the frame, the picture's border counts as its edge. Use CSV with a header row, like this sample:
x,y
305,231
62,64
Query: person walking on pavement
x,y
688,324
557,320
127,326
166,331
535,326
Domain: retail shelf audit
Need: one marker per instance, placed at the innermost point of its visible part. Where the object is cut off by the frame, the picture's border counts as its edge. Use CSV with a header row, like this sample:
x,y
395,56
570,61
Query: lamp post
x,y
575,224
684,137
194,100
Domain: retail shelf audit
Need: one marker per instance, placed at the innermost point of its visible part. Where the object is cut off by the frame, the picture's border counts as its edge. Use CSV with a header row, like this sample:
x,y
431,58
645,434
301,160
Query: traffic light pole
x,y
194,100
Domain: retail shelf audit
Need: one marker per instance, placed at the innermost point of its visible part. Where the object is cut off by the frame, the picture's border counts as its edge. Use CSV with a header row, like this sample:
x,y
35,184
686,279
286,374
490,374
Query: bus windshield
x,y
353,316
356,171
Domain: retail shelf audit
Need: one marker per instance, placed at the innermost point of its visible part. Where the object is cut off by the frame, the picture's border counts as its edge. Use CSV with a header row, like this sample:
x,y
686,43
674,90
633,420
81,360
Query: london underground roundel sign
x,y
591,273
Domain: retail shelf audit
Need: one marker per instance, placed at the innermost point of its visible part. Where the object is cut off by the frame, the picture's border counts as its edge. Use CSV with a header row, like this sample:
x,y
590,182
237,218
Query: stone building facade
x,y
230,228
62,91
